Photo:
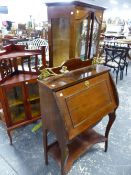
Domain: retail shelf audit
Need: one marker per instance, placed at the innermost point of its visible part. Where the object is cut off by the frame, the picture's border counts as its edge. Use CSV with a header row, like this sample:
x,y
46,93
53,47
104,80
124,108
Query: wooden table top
x,y
61,81
18,54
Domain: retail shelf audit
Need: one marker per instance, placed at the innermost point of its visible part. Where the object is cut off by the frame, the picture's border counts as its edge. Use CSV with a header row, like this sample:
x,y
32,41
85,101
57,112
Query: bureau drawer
x,y
85,103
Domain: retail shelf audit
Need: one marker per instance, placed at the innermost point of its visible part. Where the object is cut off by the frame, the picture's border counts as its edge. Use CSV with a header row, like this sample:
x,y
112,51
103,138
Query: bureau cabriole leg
x,y
64,157
112,117
45,145
10,137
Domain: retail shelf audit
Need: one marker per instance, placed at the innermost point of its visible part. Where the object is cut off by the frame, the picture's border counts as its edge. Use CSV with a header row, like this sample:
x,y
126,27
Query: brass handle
x,y
87,83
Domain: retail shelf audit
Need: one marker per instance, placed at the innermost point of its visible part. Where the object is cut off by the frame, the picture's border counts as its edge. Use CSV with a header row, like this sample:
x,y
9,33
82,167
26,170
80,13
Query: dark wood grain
x,y
15,55
72,104
74,3
19,81
78,147
65,31
11,78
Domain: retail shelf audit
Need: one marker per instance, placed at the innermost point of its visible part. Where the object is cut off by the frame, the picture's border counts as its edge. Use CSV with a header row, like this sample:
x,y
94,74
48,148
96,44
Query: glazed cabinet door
x,y
60,39
33,99
82,33
87,29
95,34
15,107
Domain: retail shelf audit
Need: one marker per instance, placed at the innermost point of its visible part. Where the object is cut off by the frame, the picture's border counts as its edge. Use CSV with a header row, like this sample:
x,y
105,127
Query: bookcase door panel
x,y
61,39
82,22
15,101
95,37
35,108
33,98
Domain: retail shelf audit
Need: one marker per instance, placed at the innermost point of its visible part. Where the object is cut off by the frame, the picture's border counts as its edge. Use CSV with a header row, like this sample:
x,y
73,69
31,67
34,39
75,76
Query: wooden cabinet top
x,y
19,79
73,77
76,3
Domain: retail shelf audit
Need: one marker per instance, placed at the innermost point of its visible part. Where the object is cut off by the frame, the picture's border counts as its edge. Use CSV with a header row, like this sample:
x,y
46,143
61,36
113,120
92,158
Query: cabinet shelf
x,y
77,147
13,103
33,98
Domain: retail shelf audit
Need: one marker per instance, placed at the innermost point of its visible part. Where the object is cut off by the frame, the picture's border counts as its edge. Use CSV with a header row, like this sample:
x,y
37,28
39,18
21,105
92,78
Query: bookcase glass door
x,y
15,99
82,28
33,98
95,37
61,39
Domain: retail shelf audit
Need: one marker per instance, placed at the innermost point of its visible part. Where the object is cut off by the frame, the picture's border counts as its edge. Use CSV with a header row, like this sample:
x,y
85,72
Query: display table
x,y
71,105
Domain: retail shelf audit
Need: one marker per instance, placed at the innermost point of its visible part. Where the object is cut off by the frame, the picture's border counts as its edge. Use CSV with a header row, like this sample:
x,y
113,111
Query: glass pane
x,y
17,113
33,91
81,35
34,99
94,38
14,96
35,108
61,37
82,19
16,104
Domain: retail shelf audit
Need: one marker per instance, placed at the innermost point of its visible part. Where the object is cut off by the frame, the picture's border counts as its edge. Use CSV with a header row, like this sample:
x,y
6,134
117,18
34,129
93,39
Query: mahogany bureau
x,y
71,105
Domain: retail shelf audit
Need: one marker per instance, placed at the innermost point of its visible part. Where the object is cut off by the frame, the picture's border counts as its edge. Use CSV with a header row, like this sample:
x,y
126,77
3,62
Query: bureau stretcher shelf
x,y
77,147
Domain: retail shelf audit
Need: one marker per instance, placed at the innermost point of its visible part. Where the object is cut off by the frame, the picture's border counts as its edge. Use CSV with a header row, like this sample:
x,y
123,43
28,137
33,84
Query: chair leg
x,y
114,70
121,75
117,73
126,68
116,76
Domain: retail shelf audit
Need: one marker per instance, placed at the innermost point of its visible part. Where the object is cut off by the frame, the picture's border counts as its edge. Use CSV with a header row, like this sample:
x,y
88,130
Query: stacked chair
x,y
116,59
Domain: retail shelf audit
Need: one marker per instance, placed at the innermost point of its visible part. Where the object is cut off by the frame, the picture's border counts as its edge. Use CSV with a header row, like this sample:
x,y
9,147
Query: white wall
x,y
117,12
20,10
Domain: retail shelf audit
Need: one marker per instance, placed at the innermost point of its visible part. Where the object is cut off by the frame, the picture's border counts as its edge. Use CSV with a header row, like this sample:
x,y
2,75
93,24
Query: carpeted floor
x,y
26,156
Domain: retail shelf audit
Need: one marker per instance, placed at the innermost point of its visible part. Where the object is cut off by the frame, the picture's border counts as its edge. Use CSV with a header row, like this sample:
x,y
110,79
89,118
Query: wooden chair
x,y
116,58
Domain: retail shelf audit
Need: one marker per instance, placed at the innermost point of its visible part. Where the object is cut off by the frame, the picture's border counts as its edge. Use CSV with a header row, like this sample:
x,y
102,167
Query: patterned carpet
x,y
26,156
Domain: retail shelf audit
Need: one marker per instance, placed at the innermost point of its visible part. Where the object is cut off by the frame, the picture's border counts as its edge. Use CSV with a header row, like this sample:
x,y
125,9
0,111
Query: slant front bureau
x,y
71,105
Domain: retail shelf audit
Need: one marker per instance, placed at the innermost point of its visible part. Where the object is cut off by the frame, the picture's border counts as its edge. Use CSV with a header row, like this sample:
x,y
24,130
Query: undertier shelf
x,y
77,147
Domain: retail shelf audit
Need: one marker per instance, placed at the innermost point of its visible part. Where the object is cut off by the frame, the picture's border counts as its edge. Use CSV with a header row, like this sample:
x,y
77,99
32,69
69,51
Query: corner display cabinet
x,y
19,93
74,30
71,105
20,101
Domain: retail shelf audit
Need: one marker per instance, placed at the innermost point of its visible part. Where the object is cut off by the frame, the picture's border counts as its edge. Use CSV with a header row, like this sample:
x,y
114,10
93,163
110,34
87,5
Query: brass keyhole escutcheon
x,y
87,83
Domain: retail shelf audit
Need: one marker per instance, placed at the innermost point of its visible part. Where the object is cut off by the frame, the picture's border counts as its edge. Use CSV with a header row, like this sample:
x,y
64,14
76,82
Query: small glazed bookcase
x,y
20,101
73,31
